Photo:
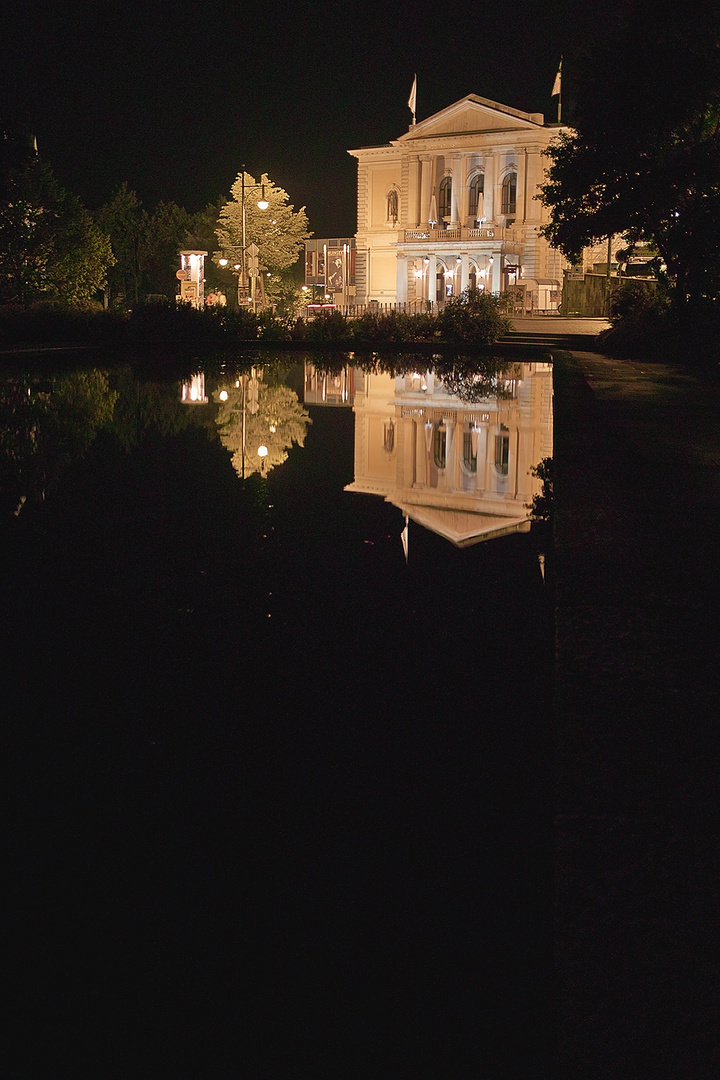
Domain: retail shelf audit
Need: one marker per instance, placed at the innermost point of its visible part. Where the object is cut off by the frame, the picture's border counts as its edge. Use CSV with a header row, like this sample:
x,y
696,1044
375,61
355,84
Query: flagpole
x,y
557,89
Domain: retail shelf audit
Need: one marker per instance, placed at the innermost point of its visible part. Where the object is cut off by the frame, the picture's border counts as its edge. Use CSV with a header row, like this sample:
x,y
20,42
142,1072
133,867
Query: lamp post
x,y
262,204
241,268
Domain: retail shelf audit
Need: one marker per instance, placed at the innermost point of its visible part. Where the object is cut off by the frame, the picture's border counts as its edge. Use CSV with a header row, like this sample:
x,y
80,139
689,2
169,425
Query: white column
x,y
455,197
431,278
495,269
522,191
425,188
401,285
413,210
489,199
464,270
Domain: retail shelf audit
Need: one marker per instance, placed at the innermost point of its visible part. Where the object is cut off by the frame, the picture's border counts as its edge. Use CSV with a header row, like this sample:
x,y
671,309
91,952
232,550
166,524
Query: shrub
x,y
642,321
474,317
56,323
327,326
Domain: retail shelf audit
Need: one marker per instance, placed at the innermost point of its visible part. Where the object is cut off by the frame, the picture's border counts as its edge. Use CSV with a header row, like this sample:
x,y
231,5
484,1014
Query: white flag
x,y
412,100
558,81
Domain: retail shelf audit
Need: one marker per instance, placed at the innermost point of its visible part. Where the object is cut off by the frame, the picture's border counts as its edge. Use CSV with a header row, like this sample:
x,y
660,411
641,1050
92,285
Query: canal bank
x,y
637,492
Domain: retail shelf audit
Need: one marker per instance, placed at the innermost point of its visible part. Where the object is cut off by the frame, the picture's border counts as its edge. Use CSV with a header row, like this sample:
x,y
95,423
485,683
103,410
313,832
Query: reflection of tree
x,y
492,380
279,421
144,405
46,425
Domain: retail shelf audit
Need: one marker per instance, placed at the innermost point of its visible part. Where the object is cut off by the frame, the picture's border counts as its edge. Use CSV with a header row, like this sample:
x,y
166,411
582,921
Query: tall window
x,y
445,194
477,188
509,193
440,447
469,458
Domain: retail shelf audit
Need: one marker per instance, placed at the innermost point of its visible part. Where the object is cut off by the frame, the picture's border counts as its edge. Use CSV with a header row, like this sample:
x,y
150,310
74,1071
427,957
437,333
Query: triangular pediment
x,y
470,115
461,527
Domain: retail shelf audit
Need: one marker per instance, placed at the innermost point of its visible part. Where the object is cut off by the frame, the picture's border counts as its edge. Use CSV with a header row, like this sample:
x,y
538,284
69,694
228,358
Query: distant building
x,y
330,270
453,203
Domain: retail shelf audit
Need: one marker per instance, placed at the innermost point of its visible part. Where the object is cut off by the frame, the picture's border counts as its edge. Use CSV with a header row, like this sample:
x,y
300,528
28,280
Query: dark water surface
x,y
280,799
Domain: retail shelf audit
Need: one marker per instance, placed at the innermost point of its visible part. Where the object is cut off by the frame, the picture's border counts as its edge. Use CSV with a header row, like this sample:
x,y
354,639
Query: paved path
x,y
559,324
637,558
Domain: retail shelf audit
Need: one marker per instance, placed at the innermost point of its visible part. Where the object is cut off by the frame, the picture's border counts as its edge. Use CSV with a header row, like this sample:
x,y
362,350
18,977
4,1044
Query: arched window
x,y
477,189
509,194
445,194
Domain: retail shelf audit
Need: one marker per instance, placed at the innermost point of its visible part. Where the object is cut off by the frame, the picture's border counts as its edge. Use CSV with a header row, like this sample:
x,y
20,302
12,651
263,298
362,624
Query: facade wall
x,y
415,214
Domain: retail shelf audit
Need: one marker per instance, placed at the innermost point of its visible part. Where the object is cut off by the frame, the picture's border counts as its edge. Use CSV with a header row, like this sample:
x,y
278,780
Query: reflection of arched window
x,y
477,187
392,205
445,199
440,446
469,457
502,451
509,193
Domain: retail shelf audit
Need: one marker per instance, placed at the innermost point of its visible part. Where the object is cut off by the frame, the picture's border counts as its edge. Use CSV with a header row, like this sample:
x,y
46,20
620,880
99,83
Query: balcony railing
x,y
461,232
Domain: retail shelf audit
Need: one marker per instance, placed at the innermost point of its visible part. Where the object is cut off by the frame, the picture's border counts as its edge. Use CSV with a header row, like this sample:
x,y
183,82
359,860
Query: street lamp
x,y
262,204
241,267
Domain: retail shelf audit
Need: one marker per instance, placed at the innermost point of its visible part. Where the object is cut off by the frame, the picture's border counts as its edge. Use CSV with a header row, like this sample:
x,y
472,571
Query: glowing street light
x,y
262,204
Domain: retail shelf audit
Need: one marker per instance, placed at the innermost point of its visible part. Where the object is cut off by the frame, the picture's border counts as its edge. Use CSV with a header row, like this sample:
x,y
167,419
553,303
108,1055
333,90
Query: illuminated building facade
x,y
453,203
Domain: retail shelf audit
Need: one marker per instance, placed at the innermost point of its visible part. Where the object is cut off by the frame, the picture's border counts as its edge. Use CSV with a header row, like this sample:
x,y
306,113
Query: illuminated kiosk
x,y
191,276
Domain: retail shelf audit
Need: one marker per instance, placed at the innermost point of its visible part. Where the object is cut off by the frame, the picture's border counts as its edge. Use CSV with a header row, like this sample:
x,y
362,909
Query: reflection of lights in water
x,y
193,392
223,395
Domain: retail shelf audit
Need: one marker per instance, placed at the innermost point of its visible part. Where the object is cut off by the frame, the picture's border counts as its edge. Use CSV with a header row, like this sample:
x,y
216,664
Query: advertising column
x,y
191,276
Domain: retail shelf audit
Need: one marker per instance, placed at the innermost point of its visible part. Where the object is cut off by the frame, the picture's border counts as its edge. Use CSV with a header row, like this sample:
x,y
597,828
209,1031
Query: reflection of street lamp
x,y
250,393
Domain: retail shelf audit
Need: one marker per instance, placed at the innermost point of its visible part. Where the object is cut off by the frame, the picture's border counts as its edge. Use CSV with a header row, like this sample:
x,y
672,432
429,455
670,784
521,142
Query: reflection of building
x,y
330,269
452,203
459,468
322,388
193,392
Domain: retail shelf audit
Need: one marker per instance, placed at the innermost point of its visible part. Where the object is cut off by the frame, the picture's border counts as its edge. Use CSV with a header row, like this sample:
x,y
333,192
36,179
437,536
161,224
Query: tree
x,y
164,236
201,236
50,248
279,232
46,425
125,222
644,160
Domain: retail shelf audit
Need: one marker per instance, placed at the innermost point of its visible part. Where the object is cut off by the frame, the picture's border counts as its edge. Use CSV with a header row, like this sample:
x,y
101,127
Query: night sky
x,y
174,97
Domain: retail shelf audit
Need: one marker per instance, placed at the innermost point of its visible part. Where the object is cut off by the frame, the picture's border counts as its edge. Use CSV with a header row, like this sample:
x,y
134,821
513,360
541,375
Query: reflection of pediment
x,y
473,114
462,527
